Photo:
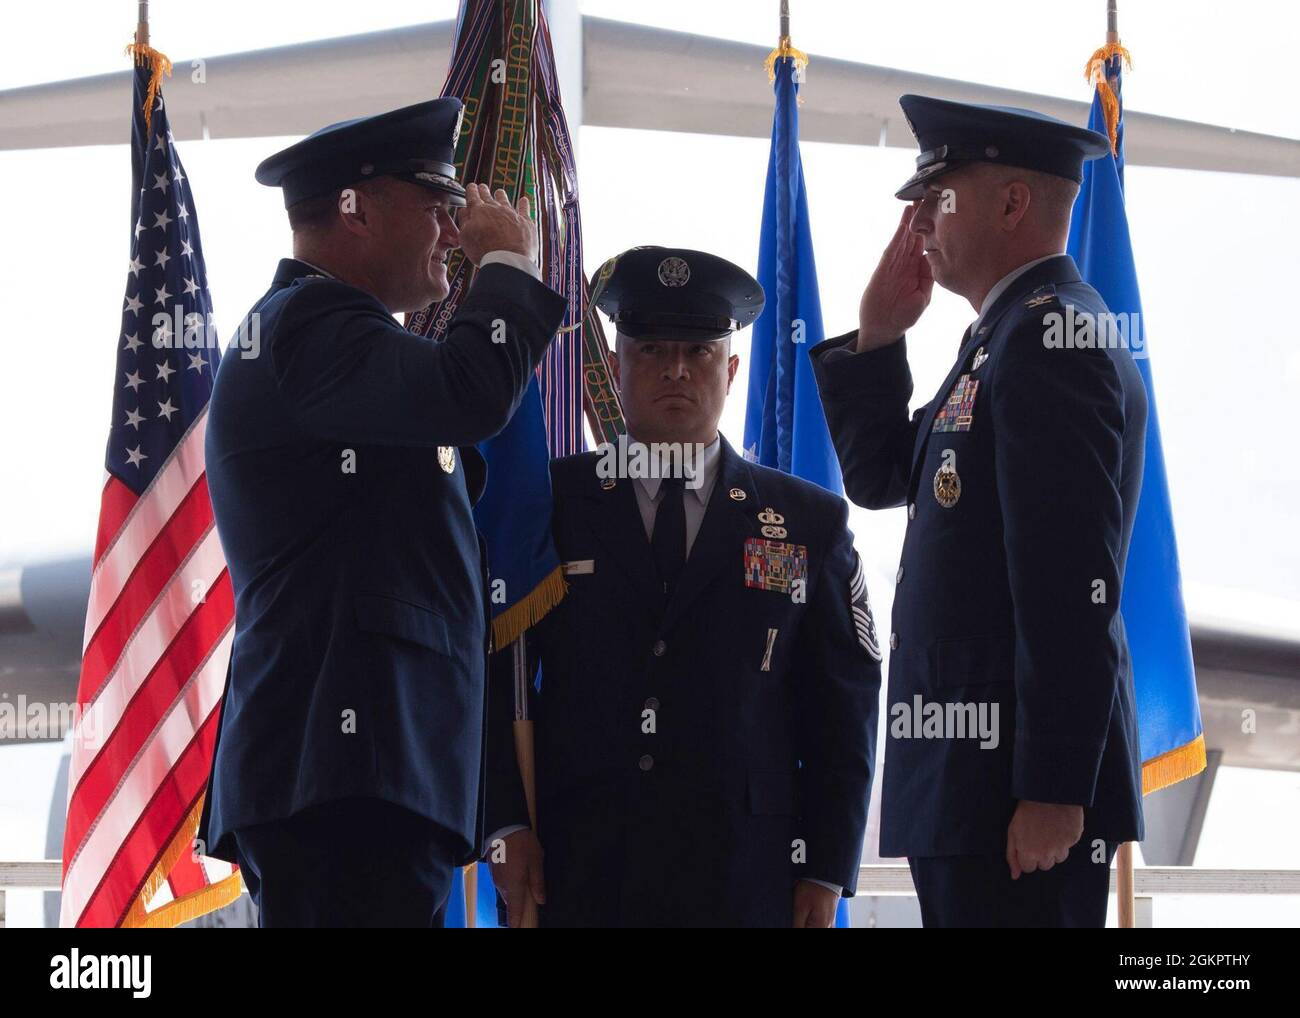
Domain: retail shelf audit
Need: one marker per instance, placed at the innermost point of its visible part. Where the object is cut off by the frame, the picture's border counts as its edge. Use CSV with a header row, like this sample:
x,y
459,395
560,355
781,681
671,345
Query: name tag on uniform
x,y
959,408
774,565
579,567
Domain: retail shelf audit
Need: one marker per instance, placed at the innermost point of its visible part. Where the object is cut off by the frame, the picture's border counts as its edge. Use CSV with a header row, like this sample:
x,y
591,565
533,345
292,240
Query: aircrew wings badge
x,y
860,608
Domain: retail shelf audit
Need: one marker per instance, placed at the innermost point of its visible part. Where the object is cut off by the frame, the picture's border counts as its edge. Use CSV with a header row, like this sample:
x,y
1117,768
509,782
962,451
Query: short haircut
x,y
313,213
1051,197
1055,195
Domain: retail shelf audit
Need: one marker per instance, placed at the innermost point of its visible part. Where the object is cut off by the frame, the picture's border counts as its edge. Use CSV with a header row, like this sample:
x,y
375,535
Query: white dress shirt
x,y
700,477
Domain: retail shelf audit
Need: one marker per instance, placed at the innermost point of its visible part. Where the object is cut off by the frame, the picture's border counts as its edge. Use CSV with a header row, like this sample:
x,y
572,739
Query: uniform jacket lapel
x,y
927,421
1056,270
720,543
611,514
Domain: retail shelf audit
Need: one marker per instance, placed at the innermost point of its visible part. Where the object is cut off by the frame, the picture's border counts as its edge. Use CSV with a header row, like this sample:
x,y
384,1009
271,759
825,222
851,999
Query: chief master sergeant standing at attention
x,y
707,717
348,776
1021,480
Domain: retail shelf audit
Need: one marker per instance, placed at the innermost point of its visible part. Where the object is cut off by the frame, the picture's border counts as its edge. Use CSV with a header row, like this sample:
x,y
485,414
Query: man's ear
x,y
733,362
1016,204
354,206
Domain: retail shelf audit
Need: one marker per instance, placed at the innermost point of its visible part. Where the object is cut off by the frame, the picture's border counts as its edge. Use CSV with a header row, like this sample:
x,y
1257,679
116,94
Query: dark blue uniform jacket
x,y
694,760
342,468
1009,596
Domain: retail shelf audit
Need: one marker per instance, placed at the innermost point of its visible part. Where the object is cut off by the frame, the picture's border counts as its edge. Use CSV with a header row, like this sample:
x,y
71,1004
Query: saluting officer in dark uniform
x,y
709,685
1021,479
348,776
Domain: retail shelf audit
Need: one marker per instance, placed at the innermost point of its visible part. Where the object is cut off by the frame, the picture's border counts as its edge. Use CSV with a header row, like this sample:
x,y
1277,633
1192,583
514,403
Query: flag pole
x,y
525,755
1123,857
142,24
1124,884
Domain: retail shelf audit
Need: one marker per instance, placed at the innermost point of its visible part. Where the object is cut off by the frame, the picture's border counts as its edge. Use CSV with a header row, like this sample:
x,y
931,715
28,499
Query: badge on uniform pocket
x,y
958,409
774,565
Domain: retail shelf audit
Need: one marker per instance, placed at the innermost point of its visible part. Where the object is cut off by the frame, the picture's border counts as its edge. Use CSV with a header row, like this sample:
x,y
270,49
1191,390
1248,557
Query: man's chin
x,y
439,285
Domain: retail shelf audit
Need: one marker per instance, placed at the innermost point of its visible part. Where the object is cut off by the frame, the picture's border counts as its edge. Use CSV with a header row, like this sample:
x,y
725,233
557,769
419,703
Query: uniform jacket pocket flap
x,y
976,661
401,619
772,793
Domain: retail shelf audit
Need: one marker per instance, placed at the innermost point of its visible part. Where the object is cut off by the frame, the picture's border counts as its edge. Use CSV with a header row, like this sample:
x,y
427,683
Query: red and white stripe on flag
x,y
159,626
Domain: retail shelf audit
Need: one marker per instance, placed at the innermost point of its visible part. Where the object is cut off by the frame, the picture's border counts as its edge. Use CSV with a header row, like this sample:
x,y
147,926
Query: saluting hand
x,y
899,290
1041,835
489,223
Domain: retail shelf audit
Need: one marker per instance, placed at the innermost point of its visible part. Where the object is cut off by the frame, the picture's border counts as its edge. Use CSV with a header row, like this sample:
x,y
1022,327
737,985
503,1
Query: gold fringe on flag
x,y
1172,767
189,906
159,65
784,49
511,623
1095,73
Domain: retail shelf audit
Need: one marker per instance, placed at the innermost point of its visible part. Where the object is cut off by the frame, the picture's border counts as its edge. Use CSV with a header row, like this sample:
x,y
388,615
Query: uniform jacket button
x,y
893,641
646,762
660,648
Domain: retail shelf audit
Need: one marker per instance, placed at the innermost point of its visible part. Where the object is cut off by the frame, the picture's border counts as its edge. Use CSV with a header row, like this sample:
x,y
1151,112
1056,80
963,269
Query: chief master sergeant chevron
x,y
348,774
1021,480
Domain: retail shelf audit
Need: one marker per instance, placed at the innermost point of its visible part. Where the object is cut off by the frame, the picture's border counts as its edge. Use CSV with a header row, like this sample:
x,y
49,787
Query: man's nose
x,y
922,219
449,232
675,366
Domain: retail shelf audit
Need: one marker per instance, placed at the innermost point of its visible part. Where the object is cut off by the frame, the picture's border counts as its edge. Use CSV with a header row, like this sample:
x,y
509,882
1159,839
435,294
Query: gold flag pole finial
x,y
784,49
1095,73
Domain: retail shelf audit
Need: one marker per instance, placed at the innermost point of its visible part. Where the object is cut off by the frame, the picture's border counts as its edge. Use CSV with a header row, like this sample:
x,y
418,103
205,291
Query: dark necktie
x,y
668,540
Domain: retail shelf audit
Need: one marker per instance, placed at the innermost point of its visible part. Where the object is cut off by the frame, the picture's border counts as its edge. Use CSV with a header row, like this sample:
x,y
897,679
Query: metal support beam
x,y
632,76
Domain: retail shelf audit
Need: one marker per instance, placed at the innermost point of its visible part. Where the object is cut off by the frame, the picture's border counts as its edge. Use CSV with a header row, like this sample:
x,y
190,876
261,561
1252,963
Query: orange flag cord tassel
x,y
159,65
1095,72
784,49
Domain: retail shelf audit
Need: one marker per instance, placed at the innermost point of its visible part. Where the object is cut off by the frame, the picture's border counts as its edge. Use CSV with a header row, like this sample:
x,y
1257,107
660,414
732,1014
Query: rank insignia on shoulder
x,y
860,608
1034,302
774,565
958,409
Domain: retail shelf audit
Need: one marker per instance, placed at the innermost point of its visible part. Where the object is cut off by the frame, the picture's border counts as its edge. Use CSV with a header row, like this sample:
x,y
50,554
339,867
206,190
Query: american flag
x,y
160,620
